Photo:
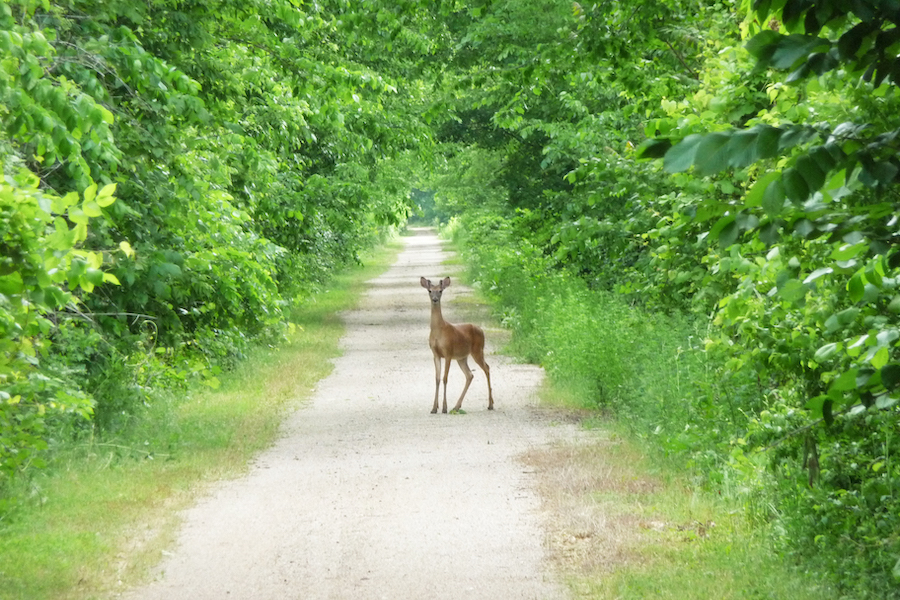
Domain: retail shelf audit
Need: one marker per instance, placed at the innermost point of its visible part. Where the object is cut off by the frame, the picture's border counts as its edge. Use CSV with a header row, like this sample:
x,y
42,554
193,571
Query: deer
x,y
453,342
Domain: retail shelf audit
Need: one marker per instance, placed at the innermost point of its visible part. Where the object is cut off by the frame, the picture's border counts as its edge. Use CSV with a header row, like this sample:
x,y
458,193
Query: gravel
x,y
367,494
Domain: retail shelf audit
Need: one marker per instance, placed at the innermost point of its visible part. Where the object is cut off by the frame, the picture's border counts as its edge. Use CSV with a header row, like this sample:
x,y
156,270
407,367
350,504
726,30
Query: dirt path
x,y
367,494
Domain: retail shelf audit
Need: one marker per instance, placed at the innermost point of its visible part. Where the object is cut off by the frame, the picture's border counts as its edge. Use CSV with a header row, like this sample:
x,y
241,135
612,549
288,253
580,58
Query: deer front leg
x,y
437,383
464,365
446,376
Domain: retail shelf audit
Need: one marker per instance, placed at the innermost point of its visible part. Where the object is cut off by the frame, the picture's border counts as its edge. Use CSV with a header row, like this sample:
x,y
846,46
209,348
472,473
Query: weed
x,y
622,533
103,512
621,525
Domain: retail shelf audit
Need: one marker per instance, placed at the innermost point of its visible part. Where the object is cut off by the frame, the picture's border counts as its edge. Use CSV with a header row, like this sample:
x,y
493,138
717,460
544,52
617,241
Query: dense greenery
x,y
687,207
174,176
737,301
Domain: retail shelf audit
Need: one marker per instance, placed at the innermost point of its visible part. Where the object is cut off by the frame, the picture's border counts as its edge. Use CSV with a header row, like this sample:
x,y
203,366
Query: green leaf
x,y
769,233
91,209
824,159
846,382
812,174
856,347
795,187
715,232
887,337
818,273
880,358
827,413
762,9
767,141
105,196
755,194
848,251
773,197
792,290
894,305
827,351
95,276
90,192
740,150
847,316
763,45
885,401
804,228
871,293
790,13
61,203
681,156
794,136
77,269
653,148
851,41
710,158
76,215
11,284
815,405
729,234
890,375
168,269
880,173
104,201
857,287
791,48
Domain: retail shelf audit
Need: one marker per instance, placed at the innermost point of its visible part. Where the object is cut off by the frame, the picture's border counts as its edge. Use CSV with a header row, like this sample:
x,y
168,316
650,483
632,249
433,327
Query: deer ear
x,y
425,283
445,283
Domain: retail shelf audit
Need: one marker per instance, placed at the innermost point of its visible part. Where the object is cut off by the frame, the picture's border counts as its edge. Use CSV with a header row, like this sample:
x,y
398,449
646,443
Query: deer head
x,y
435,291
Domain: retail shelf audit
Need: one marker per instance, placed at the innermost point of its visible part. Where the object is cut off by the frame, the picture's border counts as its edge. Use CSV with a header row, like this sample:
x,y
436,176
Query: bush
x,y
830,491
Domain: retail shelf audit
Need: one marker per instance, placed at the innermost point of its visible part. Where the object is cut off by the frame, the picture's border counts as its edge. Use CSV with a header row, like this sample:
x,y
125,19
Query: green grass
x,y
633,508
628,524
102,515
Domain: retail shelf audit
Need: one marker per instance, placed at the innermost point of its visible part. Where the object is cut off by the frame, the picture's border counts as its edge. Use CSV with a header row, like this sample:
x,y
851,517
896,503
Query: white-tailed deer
x,y
454,342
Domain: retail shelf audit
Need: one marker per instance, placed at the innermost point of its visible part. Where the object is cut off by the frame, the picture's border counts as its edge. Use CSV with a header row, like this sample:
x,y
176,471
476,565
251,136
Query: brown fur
x,y
453,342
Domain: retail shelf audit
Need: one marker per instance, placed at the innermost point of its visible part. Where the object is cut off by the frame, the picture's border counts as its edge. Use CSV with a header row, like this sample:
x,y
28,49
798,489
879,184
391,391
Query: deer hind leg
x,y
478,357
464,365
437,384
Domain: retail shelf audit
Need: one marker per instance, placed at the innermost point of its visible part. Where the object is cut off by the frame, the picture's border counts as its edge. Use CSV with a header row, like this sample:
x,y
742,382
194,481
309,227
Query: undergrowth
x,y
104,510
622,523
649,371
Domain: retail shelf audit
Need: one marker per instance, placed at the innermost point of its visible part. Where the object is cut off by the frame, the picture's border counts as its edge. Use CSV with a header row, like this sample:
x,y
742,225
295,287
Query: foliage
x,y
96,495
254,148
593,343
812,257
257,146
41,268
773,211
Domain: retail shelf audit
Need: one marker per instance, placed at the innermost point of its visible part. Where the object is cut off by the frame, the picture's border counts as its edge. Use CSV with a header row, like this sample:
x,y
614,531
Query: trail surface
x,y
368,495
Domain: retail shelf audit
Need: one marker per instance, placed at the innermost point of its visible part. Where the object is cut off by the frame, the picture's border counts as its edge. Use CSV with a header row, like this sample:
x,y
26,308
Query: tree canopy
x,y
177,175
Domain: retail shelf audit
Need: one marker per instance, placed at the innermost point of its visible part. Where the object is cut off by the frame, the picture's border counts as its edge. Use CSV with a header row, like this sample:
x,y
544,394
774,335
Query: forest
x,y
684,210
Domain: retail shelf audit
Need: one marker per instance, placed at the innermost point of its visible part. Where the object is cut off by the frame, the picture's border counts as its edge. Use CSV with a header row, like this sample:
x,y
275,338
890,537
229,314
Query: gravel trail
x,y
366,494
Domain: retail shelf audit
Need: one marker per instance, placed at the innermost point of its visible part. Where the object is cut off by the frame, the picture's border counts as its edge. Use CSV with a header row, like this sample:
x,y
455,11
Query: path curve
x,y
368,495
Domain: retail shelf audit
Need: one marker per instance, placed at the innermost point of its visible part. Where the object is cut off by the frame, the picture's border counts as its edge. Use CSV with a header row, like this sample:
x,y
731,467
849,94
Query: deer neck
x,y
437,320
